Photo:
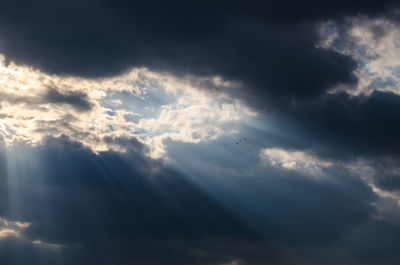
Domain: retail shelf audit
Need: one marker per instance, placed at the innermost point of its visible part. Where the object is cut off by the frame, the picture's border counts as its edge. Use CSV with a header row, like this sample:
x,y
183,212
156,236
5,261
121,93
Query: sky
x,y
199,132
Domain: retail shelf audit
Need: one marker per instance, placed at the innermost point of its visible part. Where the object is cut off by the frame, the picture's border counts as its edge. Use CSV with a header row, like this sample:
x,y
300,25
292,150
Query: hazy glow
x,y
48,245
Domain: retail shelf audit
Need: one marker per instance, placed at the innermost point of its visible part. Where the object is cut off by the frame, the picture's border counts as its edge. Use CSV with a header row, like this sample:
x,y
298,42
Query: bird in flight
x,y
240,140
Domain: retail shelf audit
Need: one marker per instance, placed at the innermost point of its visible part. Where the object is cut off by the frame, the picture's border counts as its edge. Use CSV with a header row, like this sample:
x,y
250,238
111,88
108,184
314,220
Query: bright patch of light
x,y
294,160
143,105
11,228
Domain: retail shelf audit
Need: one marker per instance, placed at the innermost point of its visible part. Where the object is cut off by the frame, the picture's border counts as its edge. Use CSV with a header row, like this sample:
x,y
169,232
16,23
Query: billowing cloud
x,y
35,105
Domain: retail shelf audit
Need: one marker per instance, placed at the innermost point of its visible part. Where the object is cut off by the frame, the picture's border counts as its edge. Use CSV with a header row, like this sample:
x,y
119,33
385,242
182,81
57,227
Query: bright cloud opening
x,y
98,113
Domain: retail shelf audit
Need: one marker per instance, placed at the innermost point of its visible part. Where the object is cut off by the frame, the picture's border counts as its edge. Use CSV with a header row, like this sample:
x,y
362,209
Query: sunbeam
x,y
199,133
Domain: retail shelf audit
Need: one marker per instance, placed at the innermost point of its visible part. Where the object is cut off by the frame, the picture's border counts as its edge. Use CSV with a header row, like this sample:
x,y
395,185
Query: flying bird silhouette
x,y
240,140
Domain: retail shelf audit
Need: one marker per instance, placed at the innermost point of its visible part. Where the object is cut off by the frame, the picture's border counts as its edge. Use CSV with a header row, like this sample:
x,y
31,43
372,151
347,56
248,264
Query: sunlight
x,y
36,105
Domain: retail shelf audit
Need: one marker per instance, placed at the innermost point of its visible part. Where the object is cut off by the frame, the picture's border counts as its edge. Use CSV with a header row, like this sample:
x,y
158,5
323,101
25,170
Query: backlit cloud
x,y
375,44
35,105
294,160
11,228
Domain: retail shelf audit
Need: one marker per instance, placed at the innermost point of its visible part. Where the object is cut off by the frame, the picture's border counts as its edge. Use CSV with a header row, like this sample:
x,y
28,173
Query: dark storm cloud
x,y
125,208
387,176
389,182
269,46
344,126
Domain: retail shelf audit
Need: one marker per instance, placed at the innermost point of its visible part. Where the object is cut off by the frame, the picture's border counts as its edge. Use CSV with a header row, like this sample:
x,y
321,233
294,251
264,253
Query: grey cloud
x,y
127,208
75,99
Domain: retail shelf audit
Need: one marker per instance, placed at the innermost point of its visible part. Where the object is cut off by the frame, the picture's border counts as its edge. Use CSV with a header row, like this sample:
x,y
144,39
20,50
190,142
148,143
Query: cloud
x,y
128,208
257,44
294,160
375,173
11,228
35,105
346,126
117,132
77,100
374,43
268,56
265,56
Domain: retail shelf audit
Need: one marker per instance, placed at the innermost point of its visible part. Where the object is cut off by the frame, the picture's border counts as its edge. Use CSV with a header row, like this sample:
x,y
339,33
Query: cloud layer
x,y
102,114
122,130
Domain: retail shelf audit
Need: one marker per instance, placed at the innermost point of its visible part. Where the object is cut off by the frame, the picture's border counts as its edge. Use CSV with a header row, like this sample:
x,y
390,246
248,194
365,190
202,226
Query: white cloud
x,y
374,44
294,160
15,229
90,110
